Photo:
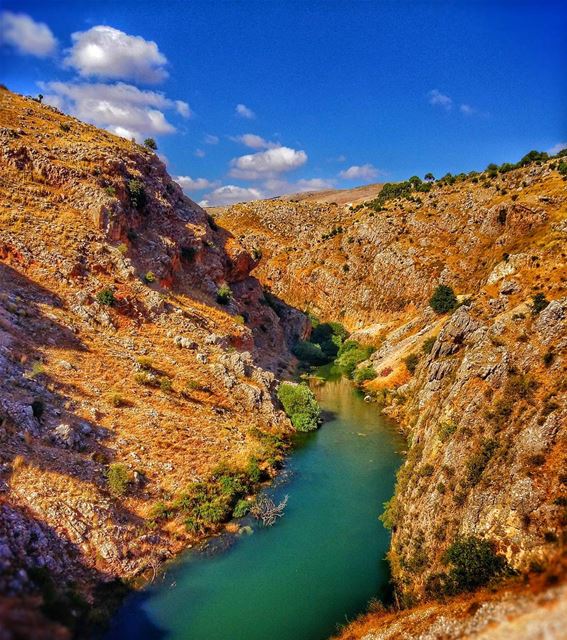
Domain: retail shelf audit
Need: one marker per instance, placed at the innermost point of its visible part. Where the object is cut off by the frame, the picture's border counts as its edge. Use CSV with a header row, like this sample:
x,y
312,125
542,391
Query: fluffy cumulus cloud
x,y
105,52
266,164
230,194
189,184
360,172
438,99
120,108
245,112
255,142
26,36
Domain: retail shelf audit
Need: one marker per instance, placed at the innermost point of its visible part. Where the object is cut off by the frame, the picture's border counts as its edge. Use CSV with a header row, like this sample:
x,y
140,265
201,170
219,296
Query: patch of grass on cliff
x,y
118,479
300,405
478,462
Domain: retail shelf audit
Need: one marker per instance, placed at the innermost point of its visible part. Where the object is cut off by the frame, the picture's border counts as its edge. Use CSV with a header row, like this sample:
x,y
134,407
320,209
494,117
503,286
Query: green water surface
x,y
315,569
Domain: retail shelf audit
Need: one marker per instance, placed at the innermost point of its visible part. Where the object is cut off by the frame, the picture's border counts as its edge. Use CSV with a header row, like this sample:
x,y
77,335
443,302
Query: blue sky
x,y
250,99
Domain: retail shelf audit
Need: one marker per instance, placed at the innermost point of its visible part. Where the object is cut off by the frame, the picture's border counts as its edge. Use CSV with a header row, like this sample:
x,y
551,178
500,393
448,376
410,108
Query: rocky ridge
x,y
484,405
115,351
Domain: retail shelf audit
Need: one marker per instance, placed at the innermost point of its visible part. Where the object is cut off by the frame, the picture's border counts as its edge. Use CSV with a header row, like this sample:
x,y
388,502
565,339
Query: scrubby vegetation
x,y
411,361
137,193
118,479
473,563
106,296
443,299
224,294
351,354
300,405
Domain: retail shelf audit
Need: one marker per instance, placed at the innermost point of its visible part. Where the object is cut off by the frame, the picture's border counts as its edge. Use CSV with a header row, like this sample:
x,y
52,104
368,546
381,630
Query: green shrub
x,y
473,563
150,143
224,294
65,126
137,193
241,509
443,299
539,302
364,374
300,405
309,353
411,362
548,358
118,479
351,353
106,296
446,430
165,384
150,277
427,345
478,462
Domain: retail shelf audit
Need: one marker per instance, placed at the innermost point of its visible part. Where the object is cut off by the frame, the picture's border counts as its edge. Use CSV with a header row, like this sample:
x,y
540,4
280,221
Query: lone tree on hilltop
x,y
429,177
150,143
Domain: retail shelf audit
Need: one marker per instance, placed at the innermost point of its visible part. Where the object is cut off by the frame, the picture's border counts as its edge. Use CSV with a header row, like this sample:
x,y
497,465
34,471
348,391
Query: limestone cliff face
x,y
114,350
485,410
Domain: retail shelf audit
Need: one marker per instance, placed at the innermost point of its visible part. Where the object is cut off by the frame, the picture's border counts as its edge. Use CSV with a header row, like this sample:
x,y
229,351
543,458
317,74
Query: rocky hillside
x,y
479,390
136,354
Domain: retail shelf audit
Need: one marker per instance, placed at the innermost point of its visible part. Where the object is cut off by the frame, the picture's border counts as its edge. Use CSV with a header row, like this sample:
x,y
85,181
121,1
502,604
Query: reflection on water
x,y
315,569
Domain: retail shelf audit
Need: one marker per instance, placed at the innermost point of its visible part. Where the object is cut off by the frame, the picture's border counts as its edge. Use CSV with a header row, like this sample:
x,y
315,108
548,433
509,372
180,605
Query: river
x,y
315,569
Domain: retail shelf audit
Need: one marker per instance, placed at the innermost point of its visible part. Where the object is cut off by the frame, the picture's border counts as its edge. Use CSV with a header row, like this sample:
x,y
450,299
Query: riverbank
x,y
316,569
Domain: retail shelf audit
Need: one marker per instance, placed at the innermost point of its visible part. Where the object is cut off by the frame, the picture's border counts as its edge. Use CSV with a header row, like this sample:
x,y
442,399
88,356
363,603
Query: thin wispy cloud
x,y
254,141
189,184
242,111
438,99
210,139
24,35
556,148
365,172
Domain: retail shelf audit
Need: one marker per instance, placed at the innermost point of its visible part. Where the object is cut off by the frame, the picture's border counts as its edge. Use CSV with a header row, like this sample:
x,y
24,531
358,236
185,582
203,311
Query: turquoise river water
x,y
315,569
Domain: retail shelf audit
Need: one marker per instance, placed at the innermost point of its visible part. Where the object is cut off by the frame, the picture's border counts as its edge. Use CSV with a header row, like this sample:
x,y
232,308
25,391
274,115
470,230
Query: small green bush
x,y
150,277
65,126
137,193
539,303
106,296
165,384
309,353
224,294
241,509
118,479
473,563
443,299
300,405
364,374
411,362
478,462
351,354
427,345
150,143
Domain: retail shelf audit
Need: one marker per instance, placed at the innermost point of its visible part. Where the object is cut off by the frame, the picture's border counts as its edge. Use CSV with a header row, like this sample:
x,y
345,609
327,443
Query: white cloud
x,y
121,108
194,184
556,148
210,139
199,153
183,109
467,110
105,52
360,172
26,36
230,194
314,184
438,99
266,164
255,142
244,112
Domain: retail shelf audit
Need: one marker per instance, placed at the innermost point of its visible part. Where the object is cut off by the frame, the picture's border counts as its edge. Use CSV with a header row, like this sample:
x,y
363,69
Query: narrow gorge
x,y
144,341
